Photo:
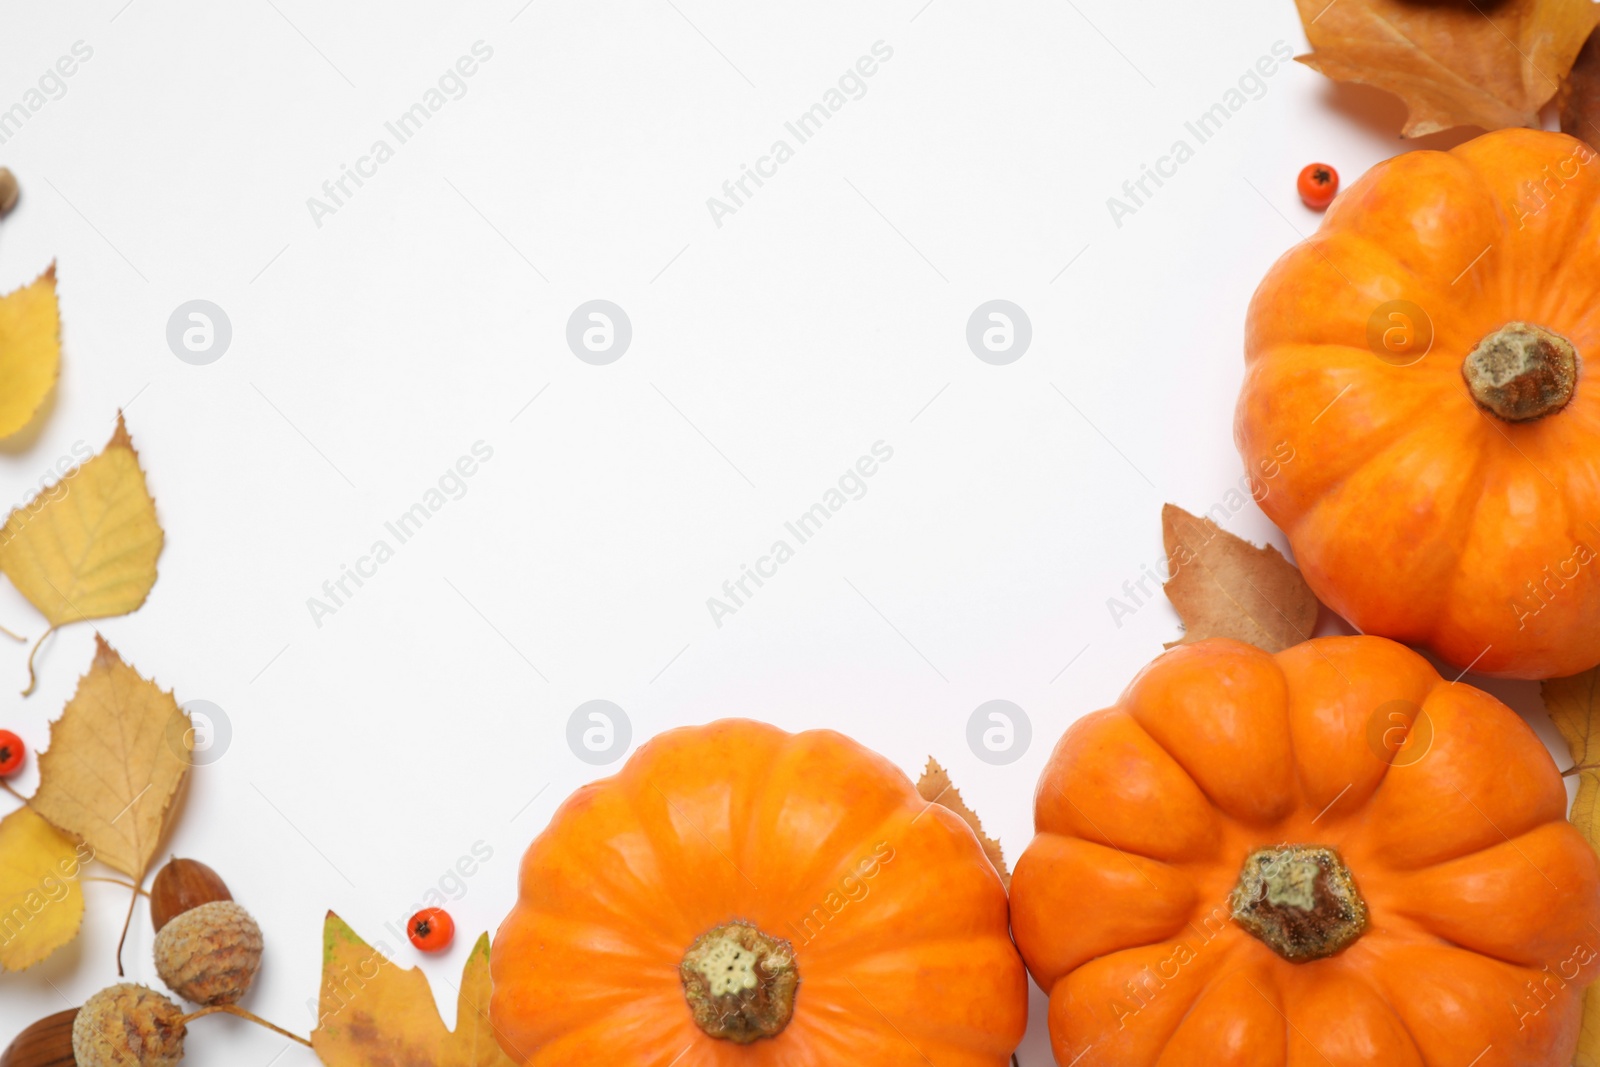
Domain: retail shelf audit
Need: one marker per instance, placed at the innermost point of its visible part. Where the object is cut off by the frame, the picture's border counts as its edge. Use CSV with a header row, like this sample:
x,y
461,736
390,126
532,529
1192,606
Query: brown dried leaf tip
x,y
936,788
1580,95
1223,586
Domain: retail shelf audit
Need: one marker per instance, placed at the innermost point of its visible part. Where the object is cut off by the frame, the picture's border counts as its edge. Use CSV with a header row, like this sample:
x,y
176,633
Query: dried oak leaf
x,y
935,787
1223,586
1454,63
30,350
372,1012
1580,95
116,758
86,548
1574,707
41,902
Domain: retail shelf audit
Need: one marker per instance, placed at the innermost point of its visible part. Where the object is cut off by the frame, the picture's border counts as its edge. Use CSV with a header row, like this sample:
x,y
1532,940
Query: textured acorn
x,y
128,1026
47,1043
210,954
182,885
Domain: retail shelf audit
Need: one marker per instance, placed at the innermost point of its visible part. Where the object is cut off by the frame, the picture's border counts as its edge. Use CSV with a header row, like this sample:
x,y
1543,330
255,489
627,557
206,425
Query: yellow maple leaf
x,y
373,1012
1574,707
30,350
1454,64
117,756
86,548
41,902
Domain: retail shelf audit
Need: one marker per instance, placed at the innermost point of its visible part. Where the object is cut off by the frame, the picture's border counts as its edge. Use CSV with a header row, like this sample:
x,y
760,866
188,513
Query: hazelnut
x,y
181,885
8,192
210,954
128,1026
47,1043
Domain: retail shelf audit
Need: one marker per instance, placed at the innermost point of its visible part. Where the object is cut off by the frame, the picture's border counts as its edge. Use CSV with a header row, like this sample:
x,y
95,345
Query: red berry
x,y
1318,183
431,929
12,752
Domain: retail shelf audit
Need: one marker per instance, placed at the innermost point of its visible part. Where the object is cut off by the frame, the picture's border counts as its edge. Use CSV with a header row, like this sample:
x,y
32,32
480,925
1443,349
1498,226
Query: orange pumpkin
x,y
742,897
1416,412
1321,858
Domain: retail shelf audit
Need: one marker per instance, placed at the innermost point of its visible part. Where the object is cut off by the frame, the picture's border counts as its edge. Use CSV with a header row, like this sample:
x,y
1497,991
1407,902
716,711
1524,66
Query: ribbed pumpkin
x,y
1422,359
742,897
1329,857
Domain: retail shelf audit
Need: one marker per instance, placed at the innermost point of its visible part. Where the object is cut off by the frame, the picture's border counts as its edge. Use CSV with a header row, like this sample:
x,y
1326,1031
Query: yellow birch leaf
x,y
372,1012
86,548
1574,707
116,758
41,902
30,350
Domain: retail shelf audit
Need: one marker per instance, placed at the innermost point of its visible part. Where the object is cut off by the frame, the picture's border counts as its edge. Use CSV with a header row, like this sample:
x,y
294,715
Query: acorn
x,y
207,947
9,192
128,1026
47,1043
210,954
182,885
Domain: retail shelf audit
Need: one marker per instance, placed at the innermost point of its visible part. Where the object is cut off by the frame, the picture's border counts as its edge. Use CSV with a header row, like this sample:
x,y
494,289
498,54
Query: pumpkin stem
x,y
740,983
1522,372
1300,901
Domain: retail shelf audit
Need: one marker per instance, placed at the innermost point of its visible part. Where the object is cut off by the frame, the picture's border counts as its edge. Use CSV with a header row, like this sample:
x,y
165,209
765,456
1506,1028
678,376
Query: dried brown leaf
x,y
1454,63
1223,586
935,787
1580,96
1574,707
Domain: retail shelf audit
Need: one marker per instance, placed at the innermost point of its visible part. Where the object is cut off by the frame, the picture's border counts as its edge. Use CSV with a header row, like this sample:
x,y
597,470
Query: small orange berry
x,y
1317,185
12,752
431,929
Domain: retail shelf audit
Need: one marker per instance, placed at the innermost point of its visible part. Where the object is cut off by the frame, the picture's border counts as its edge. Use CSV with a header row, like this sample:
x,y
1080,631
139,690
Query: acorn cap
x,y
182,885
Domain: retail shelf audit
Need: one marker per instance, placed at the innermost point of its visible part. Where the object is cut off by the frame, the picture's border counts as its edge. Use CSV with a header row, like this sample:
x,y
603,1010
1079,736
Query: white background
x,y
429,713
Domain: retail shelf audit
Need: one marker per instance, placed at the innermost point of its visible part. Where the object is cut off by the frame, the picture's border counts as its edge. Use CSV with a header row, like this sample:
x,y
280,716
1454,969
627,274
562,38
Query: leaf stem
x,y
15,637
133,898
33,679
10,789
234,1009
1578,768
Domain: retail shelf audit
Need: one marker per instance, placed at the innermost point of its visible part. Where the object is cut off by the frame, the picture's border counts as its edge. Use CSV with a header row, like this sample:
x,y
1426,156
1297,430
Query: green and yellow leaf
x,y
371,1012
